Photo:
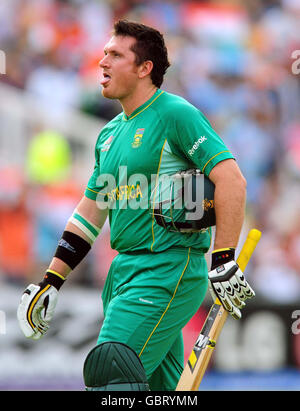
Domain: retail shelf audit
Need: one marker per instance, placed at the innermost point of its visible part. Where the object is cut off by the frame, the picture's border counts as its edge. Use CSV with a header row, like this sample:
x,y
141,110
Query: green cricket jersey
x,y
162,136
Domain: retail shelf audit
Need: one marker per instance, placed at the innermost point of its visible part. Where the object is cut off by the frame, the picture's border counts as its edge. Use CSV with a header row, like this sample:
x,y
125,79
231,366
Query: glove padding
x,y
227,283
36,309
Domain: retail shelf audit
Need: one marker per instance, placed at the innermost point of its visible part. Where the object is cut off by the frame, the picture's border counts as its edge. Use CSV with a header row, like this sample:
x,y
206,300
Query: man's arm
x,y
38,302
230,200
226,280
88,209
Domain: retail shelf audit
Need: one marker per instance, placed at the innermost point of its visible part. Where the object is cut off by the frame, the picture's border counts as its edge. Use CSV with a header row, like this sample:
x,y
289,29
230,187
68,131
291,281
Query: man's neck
x,y
138,98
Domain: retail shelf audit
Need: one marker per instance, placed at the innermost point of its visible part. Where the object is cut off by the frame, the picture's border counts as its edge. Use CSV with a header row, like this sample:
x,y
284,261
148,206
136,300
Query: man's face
x,y
119,71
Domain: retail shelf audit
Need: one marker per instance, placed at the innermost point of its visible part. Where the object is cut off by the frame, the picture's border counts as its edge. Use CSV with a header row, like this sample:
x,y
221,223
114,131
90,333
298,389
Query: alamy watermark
x,y
2,322
296,64
296,324
2,62
178,191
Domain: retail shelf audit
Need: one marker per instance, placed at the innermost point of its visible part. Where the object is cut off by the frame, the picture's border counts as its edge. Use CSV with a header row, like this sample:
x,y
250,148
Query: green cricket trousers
x,y
147,299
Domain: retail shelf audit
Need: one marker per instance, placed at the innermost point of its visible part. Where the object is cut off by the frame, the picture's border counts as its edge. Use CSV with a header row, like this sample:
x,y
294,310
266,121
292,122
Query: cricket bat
x,y
198,361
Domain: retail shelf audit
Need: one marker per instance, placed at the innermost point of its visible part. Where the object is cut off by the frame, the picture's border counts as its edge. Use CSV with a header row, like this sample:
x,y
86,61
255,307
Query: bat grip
x,y
248,248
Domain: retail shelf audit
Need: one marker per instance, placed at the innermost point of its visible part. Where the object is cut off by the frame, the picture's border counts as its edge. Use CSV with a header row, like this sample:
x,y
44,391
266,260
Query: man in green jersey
x,y
159,278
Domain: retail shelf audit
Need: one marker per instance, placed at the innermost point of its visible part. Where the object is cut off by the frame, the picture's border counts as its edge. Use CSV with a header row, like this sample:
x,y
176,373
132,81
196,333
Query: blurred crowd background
x,y
231,59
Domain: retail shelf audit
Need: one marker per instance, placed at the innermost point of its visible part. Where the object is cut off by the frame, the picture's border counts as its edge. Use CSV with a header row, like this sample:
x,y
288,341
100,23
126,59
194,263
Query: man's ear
x,y
145,68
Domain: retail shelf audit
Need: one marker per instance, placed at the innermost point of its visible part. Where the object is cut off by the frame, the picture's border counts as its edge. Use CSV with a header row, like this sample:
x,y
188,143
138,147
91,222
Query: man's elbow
x,y
236,177
243,182
239,185
228,174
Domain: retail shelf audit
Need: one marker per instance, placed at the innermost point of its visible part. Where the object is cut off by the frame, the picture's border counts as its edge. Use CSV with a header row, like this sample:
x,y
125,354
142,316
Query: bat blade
x,y
199,359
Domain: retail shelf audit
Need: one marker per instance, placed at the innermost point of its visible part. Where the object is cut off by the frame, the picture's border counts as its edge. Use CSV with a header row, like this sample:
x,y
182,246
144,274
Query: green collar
x,y
143,106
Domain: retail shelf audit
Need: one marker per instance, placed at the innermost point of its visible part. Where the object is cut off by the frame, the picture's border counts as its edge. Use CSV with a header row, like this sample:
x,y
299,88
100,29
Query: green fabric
x,y
164,135
147,300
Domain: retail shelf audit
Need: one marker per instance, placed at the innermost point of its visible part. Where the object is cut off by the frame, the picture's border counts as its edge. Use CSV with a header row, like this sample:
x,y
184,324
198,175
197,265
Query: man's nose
x,y
103,62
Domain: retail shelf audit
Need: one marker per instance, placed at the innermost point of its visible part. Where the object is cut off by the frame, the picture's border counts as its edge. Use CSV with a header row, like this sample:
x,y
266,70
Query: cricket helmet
x,y
184,202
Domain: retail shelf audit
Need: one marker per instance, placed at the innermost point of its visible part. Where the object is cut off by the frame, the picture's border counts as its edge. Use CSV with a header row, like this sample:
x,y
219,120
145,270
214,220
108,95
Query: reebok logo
x,y
197,144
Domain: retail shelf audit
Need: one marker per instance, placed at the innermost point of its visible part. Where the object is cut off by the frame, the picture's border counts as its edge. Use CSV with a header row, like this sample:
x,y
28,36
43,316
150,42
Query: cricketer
x,y
159,277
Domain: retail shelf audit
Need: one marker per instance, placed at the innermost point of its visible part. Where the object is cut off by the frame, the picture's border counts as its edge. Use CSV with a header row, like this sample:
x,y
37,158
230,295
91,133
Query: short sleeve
x,y
93,188
197,140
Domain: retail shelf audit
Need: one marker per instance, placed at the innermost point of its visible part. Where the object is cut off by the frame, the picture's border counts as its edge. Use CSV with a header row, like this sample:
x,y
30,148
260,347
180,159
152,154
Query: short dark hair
x,y
149,45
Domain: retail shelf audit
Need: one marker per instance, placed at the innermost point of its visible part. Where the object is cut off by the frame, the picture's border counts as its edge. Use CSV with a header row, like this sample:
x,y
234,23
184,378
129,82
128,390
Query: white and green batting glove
x,y
227,282
37,305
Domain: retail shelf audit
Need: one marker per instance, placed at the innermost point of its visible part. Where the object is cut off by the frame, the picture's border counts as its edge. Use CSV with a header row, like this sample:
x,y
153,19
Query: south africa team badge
x,y
137,139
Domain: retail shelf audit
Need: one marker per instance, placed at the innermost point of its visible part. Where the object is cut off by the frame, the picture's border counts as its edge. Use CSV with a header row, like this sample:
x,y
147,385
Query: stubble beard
x,y
120,96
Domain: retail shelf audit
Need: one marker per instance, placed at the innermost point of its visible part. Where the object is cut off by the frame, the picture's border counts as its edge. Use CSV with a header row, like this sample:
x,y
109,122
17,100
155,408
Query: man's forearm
x,y
38,302
230,212
86,210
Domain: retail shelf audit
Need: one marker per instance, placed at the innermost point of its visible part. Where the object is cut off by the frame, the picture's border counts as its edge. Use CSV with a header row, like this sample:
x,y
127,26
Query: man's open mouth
x,y
105,79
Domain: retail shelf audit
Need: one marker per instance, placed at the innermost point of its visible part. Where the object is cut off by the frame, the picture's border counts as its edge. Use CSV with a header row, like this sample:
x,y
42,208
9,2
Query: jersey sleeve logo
x,y
107,143
137,139
196,145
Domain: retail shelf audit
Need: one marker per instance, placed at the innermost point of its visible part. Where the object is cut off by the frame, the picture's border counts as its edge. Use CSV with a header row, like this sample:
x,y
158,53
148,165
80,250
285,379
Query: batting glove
x,y
37,306
227,282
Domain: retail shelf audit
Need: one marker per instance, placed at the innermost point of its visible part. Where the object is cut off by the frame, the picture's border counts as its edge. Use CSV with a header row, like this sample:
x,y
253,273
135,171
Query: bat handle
x,y
248,248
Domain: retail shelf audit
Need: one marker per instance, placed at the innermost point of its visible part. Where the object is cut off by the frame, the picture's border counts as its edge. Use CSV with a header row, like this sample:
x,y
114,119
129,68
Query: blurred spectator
x,y
16,256
48,158
56,86
252,138
50,205
53,194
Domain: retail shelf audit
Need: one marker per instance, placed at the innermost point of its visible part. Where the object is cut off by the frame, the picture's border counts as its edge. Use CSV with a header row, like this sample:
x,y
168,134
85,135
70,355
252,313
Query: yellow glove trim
x,y
223,249
56,273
